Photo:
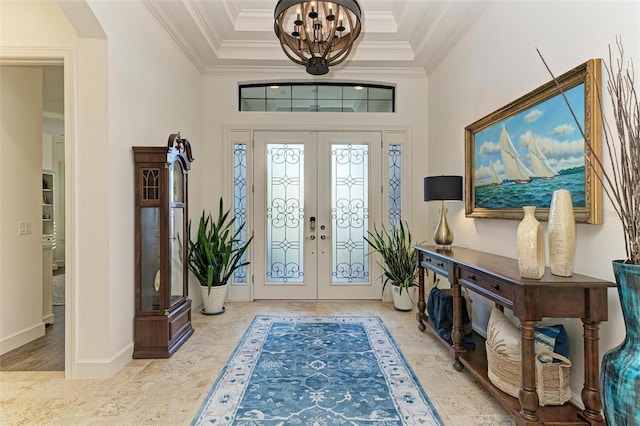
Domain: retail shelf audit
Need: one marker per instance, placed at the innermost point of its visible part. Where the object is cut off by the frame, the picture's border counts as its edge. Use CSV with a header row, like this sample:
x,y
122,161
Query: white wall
x,y
153,91
21,201
133,86
496,63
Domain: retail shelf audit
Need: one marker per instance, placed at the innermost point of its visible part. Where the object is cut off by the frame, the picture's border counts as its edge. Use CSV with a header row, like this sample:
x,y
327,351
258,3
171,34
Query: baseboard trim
x,y
22,337
103,368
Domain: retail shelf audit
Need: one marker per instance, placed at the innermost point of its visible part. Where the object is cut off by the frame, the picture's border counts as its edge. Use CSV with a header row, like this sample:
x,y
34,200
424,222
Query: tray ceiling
x,y
228,35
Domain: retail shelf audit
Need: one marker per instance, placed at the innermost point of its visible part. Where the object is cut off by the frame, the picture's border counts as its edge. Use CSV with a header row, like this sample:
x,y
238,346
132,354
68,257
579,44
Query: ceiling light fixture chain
x,y
317,33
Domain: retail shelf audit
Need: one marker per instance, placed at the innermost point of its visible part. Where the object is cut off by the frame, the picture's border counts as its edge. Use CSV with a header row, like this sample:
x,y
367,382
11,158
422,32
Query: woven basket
x,y
552,378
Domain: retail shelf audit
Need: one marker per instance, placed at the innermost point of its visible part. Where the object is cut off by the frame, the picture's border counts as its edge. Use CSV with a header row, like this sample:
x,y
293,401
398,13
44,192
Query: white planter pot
x,y
404,301
213,302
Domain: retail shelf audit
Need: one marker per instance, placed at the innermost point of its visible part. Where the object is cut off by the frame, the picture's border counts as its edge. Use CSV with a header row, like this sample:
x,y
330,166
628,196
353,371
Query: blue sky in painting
x,y
553,128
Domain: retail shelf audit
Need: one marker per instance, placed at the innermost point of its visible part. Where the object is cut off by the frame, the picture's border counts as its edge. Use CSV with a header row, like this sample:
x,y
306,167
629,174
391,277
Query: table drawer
x,y
486,285
437,264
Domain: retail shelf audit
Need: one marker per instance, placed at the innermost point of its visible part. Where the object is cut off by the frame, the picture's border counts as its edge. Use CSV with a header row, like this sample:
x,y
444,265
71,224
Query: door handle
x,y
312,224
324,237
313,237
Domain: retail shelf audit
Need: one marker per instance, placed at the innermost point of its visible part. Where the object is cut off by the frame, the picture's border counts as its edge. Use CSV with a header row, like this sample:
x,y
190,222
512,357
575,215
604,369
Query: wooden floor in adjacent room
x,y
46,353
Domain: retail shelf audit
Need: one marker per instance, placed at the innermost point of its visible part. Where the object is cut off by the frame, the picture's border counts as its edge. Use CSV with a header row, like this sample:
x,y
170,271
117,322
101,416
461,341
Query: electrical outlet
x,y
24,228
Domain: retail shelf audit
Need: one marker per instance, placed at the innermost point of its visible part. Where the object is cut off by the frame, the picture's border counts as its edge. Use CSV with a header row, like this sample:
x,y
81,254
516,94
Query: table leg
x,y
458,334
528,396
421,316
591,390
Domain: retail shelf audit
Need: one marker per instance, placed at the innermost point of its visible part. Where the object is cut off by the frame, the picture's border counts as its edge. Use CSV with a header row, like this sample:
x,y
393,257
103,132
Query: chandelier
x,y
317,33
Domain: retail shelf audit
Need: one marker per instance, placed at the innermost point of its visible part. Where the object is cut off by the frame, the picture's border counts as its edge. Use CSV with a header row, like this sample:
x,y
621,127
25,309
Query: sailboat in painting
x,y
494,173
541,167
516,171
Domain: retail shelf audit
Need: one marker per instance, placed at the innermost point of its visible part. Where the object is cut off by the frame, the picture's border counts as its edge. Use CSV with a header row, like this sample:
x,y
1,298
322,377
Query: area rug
x,y
58,290
317,371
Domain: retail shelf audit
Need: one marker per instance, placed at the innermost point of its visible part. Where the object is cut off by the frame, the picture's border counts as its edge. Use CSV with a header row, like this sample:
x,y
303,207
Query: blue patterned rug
x,y
317,371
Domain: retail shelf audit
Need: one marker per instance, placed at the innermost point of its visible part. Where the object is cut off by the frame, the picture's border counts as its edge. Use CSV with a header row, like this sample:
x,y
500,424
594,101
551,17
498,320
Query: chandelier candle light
x,y
443,188
317,33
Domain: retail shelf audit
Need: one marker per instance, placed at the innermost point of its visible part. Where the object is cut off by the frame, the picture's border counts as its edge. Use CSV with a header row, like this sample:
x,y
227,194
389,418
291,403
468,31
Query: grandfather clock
x,y
163,311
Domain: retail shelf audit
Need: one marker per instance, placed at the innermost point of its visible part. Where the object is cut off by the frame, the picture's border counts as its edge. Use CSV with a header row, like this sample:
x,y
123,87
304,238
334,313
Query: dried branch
x,y
622,183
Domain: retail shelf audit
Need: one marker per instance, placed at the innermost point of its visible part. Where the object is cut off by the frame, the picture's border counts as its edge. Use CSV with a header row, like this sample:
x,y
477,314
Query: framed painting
x,y
518,155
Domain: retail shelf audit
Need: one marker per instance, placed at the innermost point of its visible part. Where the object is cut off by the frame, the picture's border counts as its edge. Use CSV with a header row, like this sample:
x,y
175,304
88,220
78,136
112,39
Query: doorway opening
x,y
46,222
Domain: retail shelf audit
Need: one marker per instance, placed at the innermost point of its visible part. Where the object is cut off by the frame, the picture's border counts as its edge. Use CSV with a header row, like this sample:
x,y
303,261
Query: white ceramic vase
x,y
562,234
530,240
213,302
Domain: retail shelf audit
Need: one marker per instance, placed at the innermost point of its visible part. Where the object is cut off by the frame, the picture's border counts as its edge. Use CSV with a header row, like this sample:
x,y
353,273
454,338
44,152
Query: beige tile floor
x,y
170,391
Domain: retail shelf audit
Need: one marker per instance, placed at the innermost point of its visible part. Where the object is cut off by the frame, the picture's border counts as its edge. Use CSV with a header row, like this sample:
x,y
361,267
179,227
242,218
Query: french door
x,y
315,196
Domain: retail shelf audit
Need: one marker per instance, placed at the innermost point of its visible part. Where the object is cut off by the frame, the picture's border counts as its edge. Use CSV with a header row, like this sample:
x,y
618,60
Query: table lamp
x,y
443,188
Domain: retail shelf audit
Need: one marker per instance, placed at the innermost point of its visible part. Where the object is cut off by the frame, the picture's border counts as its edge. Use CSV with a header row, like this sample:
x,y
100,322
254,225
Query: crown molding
x,y
465,21
292,73
424,33
254,20
232,8
261,20
204,24
380,22
251,49
383,51
175,34
270,50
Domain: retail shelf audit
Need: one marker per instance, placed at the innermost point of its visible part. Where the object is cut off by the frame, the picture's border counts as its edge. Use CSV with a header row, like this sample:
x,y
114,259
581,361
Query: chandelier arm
x,y
285,44
340,60
327,48
343,51
330,25
354,31
353,34
288,43
307,38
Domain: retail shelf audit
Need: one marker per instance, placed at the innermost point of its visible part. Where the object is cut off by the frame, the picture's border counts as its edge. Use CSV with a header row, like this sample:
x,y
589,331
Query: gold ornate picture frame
x,y
518,155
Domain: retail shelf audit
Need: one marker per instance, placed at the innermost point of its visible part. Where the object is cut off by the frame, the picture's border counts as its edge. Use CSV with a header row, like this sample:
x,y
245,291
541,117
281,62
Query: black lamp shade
x,y
443,188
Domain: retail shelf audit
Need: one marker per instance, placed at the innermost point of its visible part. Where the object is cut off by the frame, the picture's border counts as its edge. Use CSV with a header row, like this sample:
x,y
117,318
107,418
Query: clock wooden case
x,y
162,320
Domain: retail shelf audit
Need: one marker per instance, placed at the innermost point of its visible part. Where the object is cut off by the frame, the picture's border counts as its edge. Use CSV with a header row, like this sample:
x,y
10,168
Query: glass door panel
x,y
150,258
285,213
349,213
349,203
284,244
176,248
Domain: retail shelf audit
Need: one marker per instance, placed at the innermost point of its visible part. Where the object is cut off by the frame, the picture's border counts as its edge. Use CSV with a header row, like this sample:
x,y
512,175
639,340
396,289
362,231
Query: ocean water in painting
x,y
537,193
540,146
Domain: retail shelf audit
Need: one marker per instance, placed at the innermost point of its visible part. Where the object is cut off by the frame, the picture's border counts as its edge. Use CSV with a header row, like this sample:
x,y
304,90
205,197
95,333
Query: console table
x,y
498,278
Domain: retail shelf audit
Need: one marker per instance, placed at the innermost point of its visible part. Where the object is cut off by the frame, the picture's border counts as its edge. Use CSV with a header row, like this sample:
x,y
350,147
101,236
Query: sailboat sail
x,y
494,173
541,167
513,165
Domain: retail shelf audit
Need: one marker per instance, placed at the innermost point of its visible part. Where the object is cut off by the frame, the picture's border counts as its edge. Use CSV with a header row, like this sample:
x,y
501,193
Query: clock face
x,y
177,183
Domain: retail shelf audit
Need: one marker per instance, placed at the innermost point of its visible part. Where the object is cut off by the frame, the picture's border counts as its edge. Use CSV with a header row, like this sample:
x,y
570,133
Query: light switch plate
x,y
24,228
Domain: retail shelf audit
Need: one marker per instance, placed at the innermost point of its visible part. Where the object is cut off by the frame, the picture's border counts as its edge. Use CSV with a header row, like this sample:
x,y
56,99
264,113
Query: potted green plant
x,y
217,251
399,262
